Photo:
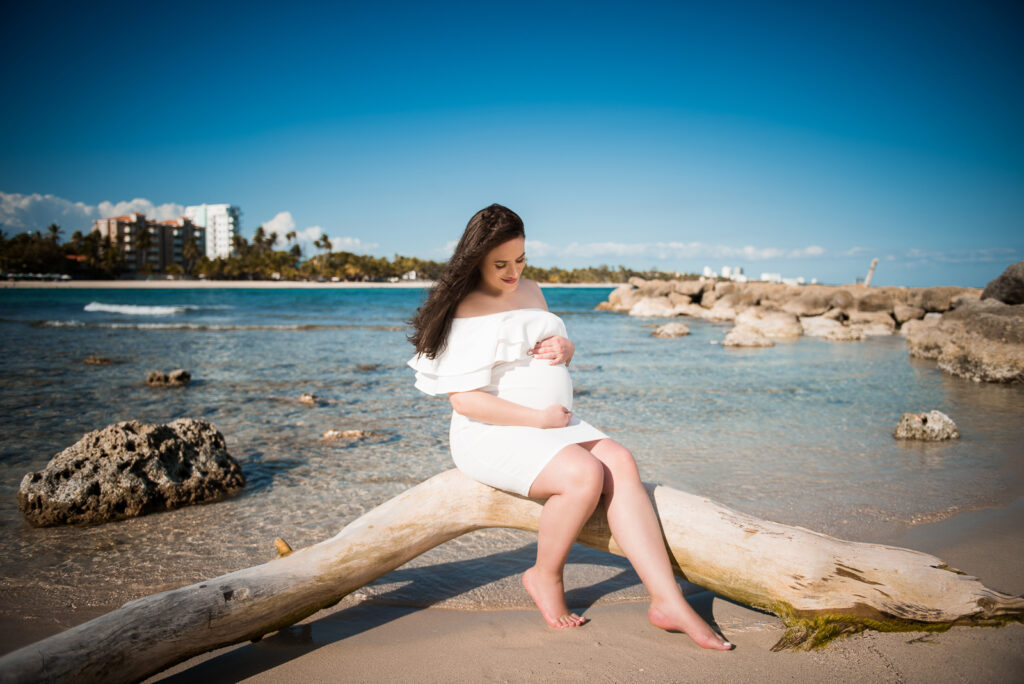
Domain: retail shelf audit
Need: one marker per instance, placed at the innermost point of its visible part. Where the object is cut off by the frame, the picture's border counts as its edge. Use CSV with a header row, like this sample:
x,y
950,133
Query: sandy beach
x,y
370,641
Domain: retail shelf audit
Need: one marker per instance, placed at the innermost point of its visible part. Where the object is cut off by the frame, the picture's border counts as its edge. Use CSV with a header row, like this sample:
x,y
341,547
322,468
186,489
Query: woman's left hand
x,y
558,349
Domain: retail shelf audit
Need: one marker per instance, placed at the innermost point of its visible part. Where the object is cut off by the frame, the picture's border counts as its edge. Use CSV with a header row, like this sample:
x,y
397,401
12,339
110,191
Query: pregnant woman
x,y
485,338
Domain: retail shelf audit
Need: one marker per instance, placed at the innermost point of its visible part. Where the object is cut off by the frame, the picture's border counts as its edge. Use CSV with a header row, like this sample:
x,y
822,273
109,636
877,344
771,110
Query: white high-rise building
x,y
221,223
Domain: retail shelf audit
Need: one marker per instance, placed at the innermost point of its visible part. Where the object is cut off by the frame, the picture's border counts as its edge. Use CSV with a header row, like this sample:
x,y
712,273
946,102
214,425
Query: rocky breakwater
x,y
130,469
970,336
983,339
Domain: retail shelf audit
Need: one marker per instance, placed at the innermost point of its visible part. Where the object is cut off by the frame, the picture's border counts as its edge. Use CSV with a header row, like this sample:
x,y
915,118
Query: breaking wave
x,y
137,309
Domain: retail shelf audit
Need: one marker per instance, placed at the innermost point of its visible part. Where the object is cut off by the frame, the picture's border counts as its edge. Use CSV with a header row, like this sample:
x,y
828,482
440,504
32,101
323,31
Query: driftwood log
x,y
820,586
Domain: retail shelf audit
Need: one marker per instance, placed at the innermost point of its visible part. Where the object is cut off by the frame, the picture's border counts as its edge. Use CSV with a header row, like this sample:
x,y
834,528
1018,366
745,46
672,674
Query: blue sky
x,y
802,138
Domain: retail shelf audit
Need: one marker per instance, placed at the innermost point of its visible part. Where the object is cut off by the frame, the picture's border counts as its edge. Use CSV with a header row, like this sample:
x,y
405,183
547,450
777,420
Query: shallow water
x,y
800,433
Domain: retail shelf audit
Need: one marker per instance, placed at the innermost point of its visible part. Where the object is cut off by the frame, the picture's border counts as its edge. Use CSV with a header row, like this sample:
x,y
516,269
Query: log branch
x,y
820,586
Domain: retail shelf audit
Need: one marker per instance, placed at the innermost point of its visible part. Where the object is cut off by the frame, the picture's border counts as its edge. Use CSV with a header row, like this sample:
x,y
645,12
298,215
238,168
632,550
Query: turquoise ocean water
x,y
800,433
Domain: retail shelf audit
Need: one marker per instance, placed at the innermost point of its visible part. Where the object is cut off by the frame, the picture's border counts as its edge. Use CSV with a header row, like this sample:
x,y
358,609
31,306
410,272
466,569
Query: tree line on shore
x,y
90,256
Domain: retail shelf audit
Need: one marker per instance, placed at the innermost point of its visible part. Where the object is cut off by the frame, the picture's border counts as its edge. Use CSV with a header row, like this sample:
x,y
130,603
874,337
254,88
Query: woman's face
x,y
502,266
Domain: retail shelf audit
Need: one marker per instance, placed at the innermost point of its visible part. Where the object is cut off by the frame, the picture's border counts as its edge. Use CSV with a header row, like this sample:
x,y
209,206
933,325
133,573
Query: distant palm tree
x,y
55,232
323,242
143,243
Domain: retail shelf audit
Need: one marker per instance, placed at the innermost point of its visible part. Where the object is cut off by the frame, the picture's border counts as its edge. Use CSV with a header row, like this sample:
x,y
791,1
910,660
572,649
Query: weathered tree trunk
x,y
820,586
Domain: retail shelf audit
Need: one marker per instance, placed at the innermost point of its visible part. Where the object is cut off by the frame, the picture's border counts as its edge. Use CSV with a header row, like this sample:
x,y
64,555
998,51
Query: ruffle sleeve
x,y
476,344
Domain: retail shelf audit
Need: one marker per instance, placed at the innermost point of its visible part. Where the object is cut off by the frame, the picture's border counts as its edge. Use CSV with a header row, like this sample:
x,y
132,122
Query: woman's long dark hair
x,y
489,227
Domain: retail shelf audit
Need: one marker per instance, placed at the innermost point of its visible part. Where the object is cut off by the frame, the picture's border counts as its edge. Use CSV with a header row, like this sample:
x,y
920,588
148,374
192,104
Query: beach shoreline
x,y
240,285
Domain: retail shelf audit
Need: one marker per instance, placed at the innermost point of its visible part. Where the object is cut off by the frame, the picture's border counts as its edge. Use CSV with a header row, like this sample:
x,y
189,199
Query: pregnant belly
x,y
534,383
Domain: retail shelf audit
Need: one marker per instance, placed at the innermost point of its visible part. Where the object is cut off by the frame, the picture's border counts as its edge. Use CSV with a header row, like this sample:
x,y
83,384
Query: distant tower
x,y
871,272
221,223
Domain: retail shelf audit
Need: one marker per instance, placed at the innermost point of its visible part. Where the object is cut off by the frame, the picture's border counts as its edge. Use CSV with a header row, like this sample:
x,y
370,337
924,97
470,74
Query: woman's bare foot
x,y
550,598
683,618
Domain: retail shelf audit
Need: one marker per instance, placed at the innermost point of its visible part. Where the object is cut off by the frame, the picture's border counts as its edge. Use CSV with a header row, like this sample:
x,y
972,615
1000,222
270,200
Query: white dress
x,y
489,353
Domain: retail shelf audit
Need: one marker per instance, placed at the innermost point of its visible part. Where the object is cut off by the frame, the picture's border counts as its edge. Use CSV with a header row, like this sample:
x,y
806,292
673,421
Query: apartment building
x,y
221,222
157,244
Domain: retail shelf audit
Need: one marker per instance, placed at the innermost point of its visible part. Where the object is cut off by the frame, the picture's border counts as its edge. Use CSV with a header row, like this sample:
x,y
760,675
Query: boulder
x,y
176,378
708,298
903,313
924,341
745,336
623,298
776,324
873,322
939,299
692,310
94,360
982,341
933,426
723,310
807,304
1008,288
875,301
830,329
690,288
841,299
653,306
657,288
671,330
679,299
130,469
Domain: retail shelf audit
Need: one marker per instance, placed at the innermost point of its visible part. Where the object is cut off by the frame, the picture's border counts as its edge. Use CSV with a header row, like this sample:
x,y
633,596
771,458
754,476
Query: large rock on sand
x,y
1008,288
130,469
933,426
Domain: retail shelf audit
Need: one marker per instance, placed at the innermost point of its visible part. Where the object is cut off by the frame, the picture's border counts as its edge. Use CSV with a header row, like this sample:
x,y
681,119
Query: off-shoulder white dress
x,y
489,353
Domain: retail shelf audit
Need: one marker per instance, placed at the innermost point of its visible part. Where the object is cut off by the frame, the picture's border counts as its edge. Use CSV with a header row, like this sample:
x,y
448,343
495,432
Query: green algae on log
x,y
820,586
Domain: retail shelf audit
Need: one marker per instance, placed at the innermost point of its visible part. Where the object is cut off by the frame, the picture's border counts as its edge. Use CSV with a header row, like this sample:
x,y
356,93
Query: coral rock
x,y
933,426
130,469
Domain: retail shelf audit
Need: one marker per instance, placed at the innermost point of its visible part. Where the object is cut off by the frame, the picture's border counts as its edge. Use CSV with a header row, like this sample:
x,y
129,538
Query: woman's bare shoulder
x,y
535,294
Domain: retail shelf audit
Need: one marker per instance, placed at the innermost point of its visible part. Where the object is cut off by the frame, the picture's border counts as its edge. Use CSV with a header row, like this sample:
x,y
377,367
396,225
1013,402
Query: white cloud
x,y
280,224
161,212
959,256
19,213
283,222
668,250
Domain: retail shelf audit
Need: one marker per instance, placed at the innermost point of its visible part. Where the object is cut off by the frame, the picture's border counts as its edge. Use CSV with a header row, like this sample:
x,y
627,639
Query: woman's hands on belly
x,y
556,348
554,416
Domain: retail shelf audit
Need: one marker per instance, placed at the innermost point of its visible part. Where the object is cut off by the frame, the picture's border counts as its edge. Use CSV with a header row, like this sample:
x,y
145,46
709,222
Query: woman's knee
x,y
618,459
573,471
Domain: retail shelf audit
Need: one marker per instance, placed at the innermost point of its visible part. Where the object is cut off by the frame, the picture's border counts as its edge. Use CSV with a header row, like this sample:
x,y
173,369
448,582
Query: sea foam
x,y
136,309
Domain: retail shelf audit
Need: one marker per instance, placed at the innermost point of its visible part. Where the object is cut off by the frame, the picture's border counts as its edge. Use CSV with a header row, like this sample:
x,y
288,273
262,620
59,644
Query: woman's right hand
x,y
554,416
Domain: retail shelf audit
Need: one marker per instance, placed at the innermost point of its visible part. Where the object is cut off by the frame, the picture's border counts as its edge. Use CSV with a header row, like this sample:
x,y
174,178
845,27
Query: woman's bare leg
x,y
636,529
572,484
